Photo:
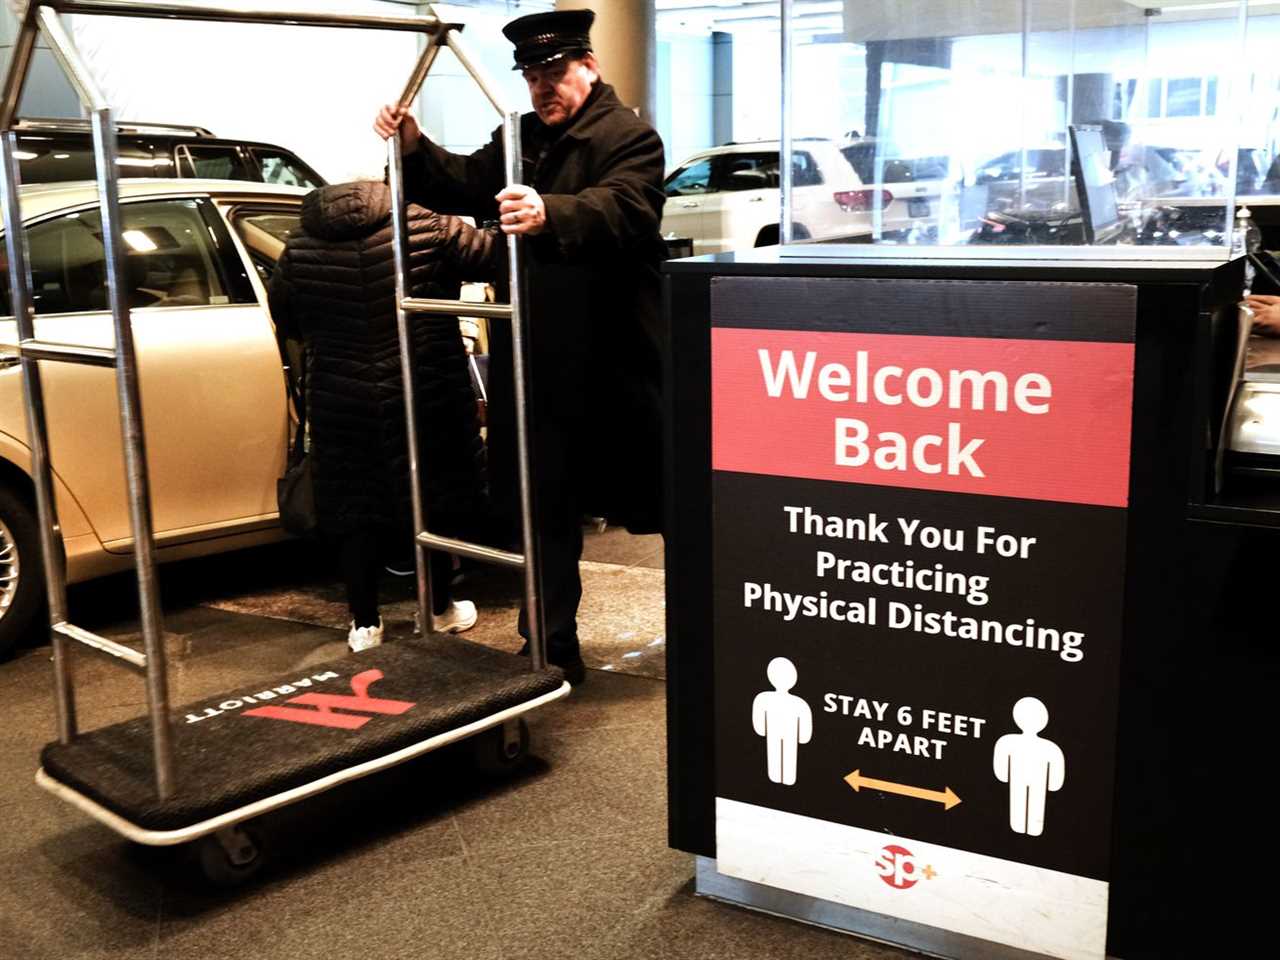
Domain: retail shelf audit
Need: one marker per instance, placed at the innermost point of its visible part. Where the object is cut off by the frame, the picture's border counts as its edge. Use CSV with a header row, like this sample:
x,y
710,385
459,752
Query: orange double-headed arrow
x,y
946,797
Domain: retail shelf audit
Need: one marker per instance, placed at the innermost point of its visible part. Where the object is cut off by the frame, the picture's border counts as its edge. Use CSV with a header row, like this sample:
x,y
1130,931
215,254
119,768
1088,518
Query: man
x,y
589,209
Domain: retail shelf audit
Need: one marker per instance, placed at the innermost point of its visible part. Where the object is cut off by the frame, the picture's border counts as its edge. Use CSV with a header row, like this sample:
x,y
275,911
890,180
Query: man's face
x,y
559,89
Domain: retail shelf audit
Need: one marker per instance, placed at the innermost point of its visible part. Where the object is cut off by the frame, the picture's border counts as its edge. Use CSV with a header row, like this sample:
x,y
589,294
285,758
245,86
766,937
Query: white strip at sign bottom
x,y
1030,908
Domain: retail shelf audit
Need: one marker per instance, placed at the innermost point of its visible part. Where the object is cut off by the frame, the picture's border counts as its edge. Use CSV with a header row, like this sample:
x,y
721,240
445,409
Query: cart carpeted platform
x,y
261,740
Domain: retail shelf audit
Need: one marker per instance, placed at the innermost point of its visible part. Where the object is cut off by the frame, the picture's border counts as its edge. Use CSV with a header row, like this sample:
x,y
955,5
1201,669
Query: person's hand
x,y
1266,313
522,210
392,116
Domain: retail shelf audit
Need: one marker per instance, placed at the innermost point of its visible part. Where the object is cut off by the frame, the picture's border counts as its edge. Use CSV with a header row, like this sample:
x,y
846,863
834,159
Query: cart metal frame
x,y
44,19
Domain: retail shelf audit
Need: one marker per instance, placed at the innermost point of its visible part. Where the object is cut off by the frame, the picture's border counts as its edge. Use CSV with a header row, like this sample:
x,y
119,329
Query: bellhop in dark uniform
x,y
593,296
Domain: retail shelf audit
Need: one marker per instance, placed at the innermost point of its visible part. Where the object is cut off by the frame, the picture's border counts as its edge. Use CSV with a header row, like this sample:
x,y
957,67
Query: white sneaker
x,y
460,616
362,638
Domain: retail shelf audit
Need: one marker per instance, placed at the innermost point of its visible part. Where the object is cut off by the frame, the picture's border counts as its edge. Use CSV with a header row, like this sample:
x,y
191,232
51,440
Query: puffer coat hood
x,y
342,211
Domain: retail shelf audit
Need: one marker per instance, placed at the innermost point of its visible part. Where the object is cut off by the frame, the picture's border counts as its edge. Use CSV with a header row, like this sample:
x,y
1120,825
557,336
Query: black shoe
x,y
575,671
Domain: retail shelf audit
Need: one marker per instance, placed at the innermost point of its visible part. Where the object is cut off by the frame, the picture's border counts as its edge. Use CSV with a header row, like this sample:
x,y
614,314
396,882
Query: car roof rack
x,y
79,124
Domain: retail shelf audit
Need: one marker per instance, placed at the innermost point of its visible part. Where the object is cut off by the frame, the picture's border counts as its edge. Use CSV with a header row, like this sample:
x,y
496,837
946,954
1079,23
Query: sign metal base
x,y
930,941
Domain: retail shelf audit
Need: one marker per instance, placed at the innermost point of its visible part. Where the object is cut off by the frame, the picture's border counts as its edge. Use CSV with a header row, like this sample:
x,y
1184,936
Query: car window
x,y
211,163
279,225
804,171
55,159
172,258
264,234
693,179
279,167
746,171
862,157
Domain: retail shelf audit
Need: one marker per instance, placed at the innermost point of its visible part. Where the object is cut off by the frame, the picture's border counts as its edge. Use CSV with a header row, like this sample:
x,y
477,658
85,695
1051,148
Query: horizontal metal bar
x,y
68,352
453,308
303,18
118,652
474,551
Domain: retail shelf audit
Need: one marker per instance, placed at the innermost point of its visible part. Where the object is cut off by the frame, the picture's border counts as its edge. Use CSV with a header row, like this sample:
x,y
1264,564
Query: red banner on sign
x,y
1033,419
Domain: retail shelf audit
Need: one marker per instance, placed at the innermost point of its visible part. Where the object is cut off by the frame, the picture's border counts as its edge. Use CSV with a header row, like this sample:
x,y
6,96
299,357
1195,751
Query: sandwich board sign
x,y
920,495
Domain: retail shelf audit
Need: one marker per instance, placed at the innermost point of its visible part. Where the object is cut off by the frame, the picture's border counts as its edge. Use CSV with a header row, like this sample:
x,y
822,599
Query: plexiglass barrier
x,y
984,124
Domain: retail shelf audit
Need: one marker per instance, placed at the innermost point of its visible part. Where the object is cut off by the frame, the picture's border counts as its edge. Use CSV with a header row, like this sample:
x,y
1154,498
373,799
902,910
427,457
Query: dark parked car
x,y
61,150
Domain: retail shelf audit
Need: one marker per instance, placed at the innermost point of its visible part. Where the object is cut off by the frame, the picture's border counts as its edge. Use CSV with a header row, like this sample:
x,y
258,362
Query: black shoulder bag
x,y
295,493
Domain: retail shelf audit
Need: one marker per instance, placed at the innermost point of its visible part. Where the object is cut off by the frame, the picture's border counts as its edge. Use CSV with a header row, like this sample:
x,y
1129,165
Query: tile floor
x,y
430,860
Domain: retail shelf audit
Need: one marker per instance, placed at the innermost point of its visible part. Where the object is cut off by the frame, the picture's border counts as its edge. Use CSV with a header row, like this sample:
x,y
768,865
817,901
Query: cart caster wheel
x,y
229,857
504,749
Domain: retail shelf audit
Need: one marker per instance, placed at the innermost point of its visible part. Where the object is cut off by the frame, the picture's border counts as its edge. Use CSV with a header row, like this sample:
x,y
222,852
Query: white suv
x,y
727,198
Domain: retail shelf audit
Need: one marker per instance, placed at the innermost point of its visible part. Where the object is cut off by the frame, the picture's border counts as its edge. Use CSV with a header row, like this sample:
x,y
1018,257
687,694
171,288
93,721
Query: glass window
x,y
170,260
56,158
211,163
804,171
1183,98
965,120
896,169
690,180
1155,98
280,167
747,171
264,233
278,225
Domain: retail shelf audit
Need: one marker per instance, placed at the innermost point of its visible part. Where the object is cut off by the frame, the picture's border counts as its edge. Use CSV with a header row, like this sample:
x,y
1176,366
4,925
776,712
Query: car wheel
x,y
21,579
768,236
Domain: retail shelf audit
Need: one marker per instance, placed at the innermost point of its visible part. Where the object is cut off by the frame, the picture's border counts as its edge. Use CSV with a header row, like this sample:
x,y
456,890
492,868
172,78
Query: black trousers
x,y
559,504
361,558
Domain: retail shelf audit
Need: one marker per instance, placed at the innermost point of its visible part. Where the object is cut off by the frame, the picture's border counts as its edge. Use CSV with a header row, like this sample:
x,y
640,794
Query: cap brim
x,y
550,58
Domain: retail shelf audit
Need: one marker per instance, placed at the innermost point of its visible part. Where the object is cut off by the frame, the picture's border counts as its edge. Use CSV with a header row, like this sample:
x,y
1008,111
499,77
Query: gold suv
x,y
214,403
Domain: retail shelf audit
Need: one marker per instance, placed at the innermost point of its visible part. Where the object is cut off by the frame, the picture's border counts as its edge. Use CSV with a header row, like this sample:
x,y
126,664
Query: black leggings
x,y
362,565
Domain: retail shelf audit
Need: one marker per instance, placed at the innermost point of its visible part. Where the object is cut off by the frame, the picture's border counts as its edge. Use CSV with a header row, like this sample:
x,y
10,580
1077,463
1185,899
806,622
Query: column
x,y
721,88
624,41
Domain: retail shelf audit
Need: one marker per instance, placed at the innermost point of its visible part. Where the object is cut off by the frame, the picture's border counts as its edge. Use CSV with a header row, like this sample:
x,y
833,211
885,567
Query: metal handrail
x,y
44,19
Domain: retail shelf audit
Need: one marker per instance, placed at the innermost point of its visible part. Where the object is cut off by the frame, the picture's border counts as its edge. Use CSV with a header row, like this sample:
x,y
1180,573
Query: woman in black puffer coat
x,y
334,287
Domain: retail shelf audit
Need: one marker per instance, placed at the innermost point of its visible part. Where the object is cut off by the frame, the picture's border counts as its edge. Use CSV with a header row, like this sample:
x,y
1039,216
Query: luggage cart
x,y
201,771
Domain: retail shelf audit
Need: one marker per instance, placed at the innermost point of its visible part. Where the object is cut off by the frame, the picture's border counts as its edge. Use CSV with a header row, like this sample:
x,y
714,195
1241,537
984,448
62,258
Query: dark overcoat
x,y
594,294
335,288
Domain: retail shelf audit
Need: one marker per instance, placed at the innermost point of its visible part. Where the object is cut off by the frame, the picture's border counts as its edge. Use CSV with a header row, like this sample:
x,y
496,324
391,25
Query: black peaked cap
x,y
543,37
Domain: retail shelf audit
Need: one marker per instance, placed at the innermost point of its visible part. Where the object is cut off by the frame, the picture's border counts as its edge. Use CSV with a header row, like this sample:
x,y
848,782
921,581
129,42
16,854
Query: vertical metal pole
x,y
55,581
24,46
1239,88
400,248
1070,111
135,453
1022,106
785,168
521,369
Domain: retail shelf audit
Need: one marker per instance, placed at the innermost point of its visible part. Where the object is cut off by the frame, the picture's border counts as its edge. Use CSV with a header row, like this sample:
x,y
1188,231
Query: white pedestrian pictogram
x,y
783,719
1031,765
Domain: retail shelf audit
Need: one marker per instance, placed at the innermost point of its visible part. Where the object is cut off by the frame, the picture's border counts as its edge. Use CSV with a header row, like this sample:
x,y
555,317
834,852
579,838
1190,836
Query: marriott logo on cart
x,y
236,704
312,707
317,708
